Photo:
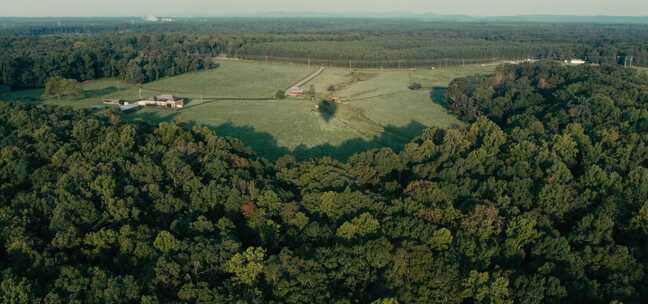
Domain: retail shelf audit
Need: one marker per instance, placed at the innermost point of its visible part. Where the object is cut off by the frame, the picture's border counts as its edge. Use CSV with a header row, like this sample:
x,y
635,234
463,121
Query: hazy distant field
x,y
377,108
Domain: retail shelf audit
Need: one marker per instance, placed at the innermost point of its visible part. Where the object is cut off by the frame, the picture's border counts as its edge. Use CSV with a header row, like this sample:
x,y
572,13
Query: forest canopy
x,y
541,197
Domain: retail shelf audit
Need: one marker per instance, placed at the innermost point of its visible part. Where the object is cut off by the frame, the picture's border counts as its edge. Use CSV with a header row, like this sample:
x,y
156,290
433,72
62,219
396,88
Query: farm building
x,y
295,92
165,101
336,99
114,102
575,61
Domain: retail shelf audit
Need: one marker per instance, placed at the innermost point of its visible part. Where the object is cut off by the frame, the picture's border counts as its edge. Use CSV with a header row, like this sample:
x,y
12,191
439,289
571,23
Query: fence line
x,y
308,78
421,63
379,64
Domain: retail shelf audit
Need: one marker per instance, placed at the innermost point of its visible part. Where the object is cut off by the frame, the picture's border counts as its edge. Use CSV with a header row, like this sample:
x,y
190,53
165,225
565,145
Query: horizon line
x,y
378,14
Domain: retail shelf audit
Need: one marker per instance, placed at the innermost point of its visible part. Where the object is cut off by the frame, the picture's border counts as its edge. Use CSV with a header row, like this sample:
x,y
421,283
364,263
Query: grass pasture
x,y
376,109
642,69
383,96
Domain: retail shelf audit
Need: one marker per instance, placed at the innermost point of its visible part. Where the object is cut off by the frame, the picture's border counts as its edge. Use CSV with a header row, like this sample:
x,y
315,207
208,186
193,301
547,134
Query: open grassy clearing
x,y
94,90
642,69
377,108
232,79
383,95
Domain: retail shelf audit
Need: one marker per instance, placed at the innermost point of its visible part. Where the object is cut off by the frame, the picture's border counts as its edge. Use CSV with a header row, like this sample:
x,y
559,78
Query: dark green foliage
x,y
541,198
28,62
280,94
59,87
415,86
327,109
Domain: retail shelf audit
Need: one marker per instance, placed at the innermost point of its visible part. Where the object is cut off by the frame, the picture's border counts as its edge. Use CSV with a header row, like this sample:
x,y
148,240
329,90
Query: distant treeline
x,y
32,50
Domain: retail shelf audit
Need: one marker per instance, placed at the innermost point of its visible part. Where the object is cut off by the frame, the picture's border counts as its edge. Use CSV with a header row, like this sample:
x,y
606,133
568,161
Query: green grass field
x,y
383,96
376,110
642,69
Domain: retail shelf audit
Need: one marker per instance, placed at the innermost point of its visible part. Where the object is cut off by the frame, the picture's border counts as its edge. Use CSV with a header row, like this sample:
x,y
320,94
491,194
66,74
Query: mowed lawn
x,y
377,108
239,79
230,79
642,69
383,96
94,90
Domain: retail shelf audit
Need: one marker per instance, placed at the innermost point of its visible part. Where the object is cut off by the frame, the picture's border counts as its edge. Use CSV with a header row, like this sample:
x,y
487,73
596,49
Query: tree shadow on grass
x,y
101,92
327,109
267,146
264,144
33,96
151,117
438,95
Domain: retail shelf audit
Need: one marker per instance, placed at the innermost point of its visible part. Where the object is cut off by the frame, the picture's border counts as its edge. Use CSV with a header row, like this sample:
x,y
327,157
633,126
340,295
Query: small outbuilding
x,y
575,61
296,92
114,102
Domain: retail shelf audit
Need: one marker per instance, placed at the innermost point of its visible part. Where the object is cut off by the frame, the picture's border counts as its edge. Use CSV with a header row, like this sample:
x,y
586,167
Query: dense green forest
x,y
33,50
541,197
27,62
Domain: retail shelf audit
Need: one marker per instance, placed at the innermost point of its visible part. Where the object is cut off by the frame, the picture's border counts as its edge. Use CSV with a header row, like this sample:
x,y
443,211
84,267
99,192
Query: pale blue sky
x,y
240,7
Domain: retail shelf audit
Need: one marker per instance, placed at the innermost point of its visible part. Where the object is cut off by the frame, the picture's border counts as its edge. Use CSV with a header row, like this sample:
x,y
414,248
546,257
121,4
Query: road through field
x,y
308,78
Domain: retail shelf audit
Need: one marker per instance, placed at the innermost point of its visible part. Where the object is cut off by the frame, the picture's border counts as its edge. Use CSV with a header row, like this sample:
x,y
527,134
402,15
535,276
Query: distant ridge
x,y
570,18
458,17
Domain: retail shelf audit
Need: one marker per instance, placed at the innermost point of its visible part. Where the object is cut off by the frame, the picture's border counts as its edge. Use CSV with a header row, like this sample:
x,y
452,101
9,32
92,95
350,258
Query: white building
x,y
575,61
165,101
151,18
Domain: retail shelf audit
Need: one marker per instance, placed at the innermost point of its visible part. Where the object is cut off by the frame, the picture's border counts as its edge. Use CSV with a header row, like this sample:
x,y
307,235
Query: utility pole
x,y
140,92
309,64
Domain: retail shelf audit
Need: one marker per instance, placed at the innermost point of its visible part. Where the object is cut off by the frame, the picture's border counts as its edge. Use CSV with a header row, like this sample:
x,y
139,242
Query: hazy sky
x,y
240,7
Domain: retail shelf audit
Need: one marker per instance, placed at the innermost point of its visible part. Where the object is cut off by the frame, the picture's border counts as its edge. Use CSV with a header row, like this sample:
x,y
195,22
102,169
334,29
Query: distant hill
x,y
465,18
570,19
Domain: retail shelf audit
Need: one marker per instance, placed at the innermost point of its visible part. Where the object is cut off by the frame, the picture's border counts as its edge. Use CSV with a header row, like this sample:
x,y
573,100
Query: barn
x,y
165,101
